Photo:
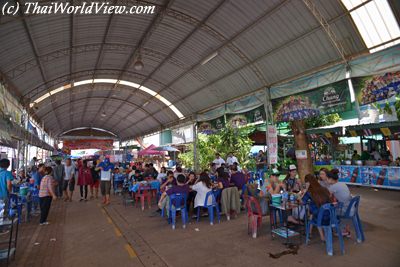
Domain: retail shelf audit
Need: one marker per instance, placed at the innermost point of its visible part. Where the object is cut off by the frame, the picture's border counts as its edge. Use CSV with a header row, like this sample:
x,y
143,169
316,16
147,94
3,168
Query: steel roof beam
x,y
35,52
181,43
99,56
146,35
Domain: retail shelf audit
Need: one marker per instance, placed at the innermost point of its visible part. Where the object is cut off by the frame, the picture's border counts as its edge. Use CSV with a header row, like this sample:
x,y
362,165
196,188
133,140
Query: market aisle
x,y
92,239
79,234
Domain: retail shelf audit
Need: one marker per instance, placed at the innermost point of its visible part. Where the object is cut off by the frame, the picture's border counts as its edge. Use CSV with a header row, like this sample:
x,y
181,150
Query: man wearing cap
x,y
291,183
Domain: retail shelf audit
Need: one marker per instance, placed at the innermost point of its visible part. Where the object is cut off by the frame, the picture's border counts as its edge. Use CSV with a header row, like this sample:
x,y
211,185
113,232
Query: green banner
x,y
332,98
211,126
242,119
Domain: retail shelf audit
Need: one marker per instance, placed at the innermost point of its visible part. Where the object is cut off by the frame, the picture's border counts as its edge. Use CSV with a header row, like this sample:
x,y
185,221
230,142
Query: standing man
x,y
261,160
105,167
218,160
5,180
38,174
231,159
59,174
69,180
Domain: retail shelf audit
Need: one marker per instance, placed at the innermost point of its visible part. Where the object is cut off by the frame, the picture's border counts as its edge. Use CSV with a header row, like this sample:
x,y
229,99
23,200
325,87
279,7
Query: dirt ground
x,y
86,234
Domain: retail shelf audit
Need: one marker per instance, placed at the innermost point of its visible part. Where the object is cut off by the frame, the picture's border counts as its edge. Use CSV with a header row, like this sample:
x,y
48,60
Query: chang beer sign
x,y
332,98
236,120
211,126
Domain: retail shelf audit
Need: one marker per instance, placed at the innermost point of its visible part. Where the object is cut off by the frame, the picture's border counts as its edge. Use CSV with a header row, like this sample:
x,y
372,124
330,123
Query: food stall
x,y
369,172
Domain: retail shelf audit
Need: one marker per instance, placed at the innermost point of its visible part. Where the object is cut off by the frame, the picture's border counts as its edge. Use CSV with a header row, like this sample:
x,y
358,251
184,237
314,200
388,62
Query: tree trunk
x,y
304,166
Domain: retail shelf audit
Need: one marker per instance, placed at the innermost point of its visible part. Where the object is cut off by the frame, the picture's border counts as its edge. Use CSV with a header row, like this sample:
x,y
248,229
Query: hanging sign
x,y
242,119
376,96
332,98
272,144
211,126
88,144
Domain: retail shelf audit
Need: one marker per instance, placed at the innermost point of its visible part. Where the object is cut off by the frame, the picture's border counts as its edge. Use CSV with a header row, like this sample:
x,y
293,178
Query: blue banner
x,y
375,176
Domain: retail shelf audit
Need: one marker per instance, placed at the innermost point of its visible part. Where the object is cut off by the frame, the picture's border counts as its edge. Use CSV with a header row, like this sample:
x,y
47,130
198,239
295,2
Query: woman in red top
x,y
84,179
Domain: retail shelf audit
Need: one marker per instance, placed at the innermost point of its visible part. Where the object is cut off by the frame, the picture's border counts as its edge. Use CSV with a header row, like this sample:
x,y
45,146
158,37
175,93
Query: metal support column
x,y
195,158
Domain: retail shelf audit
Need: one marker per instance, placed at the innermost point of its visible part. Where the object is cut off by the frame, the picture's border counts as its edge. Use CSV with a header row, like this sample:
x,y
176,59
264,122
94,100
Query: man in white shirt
x,y
106,168
231,159
218,160
69,180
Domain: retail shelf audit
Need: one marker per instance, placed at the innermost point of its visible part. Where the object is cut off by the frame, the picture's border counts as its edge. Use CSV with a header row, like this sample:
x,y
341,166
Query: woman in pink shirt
x,y
46,195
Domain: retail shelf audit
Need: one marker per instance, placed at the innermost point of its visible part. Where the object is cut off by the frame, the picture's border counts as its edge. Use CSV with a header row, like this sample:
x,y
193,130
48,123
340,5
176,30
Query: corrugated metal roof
x,y
259,43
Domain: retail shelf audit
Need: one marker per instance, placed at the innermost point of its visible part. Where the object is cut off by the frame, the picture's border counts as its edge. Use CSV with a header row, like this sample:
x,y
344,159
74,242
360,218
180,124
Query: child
x,y
46,195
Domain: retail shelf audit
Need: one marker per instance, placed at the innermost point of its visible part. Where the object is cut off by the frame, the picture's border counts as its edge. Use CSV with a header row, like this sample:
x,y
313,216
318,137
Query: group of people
x,y
316,191
197,188
59,181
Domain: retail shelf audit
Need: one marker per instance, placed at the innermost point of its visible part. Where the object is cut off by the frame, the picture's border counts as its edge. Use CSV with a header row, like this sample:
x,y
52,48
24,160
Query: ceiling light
x,y
209,58
103,114
138,65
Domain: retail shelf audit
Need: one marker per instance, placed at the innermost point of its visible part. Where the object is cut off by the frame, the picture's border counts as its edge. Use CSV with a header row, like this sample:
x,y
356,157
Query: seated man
x,y
179,188
168,181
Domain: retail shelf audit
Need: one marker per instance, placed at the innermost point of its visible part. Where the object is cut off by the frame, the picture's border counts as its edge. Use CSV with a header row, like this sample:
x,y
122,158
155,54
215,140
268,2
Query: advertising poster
x,y
376,96
88,144
332,98
348,174
211,126
370,175
242,119
394,177
272,145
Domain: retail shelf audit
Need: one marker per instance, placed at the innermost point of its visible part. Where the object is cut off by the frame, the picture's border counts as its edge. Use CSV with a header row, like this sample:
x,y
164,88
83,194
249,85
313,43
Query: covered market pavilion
x,y
171,63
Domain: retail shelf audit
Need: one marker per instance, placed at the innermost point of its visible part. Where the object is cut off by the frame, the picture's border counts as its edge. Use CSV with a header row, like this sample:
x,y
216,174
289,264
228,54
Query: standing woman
x,y
46,195
84,179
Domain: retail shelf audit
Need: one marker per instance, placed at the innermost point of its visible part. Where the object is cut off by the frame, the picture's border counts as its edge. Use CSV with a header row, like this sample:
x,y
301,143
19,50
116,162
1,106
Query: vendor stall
x,y
376,172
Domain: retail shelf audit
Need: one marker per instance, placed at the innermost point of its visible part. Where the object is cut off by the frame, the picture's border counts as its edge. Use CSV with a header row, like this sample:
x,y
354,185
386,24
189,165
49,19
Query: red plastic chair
x,y
254,215
144,191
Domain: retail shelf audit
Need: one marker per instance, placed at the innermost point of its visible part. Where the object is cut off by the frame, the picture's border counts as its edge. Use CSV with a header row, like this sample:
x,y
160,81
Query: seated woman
x,y
202,186
323,178
190,180
316,196
340,191
162,174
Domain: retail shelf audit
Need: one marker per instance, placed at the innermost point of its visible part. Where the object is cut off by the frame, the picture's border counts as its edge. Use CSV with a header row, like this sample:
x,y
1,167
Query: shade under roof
x,y
259,43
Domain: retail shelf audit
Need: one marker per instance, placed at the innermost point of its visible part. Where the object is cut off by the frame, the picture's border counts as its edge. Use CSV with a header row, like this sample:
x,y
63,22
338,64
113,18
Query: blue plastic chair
x,y
217,195
210,208
15,204
327,211
352,214
177,202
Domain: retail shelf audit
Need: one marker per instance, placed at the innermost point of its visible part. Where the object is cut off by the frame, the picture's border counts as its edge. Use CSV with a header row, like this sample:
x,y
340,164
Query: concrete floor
x,y
85,234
